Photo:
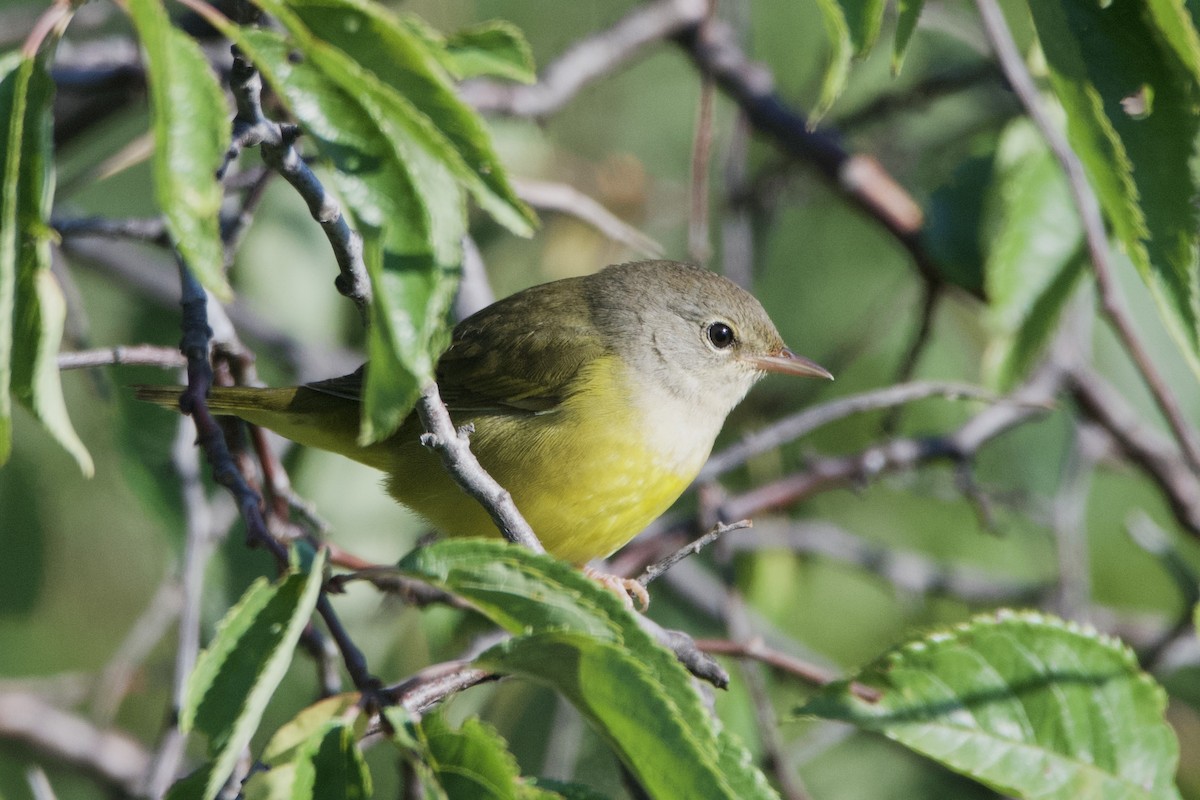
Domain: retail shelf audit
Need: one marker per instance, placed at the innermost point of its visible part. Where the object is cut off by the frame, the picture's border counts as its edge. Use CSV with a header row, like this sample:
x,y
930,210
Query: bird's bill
x,y
785,362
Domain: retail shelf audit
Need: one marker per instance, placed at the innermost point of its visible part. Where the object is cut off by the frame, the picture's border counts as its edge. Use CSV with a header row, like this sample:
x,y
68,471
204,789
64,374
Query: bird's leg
x,y
628,589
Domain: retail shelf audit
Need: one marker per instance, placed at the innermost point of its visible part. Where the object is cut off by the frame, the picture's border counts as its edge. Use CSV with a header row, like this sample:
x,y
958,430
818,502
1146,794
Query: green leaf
x,y
393,202
1034,252
841,51
669,754
377,49
1030,705
853,28
330,766
1177,29
406,738
1131,116
237,673
906,24
293,742
470,762
952,227
496,48
191,136
32,309
535,594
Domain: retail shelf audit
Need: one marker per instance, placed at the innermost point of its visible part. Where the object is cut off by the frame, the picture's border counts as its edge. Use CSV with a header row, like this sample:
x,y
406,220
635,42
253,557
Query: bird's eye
x,y
720,334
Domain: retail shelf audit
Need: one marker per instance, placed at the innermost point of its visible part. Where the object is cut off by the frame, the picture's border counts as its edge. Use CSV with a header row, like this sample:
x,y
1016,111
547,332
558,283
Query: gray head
x,y
704,339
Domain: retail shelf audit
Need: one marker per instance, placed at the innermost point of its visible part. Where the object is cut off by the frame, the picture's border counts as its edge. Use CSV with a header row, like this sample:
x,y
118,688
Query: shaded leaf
x,y
237,673
952,228
1035,257
32,308
1131,116
496,48
191,136
1030,705
329,766
294,741
906,24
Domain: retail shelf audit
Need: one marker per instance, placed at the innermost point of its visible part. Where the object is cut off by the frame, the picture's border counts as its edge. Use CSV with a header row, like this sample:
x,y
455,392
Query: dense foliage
x,y
972,569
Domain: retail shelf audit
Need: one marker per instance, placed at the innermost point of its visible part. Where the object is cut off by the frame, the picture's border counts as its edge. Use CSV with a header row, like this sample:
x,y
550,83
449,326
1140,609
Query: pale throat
x,y
679,424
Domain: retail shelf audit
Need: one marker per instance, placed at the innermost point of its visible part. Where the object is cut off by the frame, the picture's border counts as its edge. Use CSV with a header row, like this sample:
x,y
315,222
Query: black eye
x,y
720,334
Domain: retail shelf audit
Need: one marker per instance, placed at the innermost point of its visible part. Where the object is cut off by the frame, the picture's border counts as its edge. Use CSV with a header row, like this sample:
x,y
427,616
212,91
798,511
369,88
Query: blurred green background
x,y
83,559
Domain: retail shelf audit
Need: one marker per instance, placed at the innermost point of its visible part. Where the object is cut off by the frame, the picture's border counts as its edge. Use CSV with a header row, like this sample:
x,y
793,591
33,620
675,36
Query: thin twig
x,y
775,757
808,673
452,446
715,52
1112,304
564,198
699,245
251,127
1148,449
804,422
1155,541
586,61
115,758
140,355
692,548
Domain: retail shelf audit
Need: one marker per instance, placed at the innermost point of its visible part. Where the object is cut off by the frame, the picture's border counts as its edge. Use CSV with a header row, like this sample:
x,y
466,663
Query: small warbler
x,y
594,401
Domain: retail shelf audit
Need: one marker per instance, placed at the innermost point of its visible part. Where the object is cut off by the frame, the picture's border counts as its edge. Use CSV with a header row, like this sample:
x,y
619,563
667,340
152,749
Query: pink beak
x,y
785,362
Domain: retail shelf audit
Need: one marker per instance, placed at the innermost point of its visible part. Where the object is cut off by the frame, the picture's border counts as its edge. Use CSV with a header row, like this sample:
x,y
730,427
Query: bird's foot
x,y
628,589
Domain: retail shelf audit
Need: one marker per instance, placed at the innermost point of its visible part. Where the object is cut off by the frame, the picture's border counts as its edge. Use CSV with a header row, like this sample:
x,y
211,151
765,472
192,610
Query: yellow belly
x,y
588,476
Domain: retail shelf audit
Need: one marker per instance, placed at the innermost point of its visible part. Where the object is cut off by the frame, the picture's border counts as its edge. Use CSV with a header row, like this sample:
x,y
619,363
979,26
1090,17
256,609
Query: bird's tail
x,y
236,401
306,416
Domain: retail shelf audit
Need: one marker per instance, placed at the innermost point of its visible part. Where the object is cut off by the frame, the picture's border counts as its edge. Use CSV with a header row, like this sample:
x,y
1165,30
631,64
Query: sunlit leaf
x,y
237,673
853,28
376,49
32,309
1131,116
472,761
191,136
668,753
536,595
1027,704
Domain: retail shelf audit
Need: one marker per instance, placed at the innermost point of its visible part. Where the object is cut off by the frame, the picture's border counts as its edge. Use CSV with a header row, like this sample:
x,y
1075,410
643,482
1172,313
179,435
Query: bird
x,y
594,401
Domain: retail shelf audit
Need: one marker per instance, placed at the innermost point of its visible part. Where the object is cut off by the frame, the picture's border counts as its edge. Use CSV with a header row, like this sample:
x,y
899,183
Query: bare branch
x,y
804,422
564,198
452,445
1111,302
757,650
586,61
112,756
1144,446
141,355
659,567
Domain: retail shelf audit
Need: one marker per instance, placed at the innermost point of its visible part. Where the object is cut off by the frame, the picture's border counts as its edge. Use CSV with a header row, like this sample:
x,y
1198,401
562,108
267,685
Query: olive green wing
x,y
520,354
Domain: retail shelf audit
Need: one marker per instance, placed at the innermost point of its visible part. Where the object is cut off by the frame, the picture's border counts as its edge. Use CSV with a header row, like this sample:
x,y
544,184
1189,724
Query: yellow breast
x,y
588,476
